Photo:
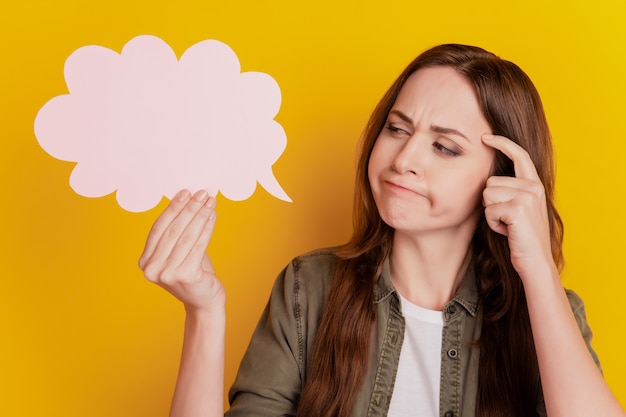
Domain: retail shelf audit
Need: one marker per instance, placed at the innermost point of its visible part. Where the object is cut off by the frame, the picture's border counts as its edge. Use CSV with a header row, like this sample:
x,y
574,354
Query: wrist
x,y
216,312
541,281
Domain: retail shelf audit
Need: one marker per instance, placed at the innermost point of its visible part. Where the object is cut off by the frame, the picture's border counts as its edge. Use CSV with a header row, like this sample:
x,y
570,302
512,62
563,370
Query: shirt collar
x,y
466,296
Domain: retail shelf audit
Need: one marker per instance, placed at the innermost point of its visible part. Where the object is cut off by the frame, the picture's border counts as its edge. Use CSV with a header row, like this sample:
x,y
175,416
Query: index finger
x,y
523,165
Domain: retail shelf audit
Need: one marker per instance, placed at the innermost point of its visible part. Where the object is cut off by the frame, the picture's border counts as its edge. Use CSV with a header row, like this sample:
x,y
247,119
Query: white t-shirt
x,y
416,389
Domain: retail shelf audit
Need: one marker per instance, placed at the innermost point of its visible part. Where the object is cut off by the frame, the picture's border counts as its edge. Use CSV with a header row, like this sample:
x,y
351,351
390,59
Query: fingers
x,y
508,200
184,230
194,252
504,206
188,264
186,223
195,237
497,217
524,167
516,207
502,189
156,232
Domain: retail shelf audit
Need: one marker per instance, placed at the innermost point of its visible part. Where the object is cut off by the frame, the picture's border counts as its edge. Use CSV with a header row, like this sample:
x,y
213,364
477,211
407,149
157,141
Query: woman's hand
x,y
516,207
175,253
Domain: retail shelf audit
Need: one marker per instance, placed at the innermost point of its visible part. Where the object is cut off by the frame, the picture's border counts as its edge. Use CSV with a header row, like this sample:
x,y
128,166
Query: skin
x,y
175,258
433,200
515,207
427,171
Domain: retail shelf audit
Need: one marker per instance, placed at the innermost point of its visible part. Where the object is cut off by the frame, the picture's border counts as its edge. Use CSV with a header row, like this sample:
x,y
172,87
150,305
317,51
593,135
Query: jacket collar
x,y
466,296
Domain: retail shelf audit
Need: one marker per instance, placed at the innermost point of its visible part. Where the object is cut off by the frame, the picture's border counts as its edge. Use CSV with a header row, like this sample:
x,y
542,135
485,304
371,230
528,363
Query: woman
x,y
447,299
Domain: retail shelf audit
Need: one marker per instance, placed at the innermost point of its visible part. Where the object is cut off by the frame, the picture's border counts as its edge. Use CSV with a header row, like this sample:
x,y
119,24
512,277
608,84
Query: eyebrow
x,y
447,131
434,128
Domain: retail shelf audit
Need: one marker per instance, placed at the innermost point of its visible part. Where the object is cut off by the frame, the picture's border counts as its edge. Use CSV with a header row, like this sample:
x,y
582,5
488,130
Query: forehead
x,y
443,97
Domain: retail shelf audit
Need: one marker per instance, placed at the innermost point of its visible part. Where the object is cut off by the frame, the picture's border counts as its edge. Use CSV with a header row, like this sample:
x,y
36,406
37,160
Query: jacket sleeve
x,y
269,380
273,369
578,308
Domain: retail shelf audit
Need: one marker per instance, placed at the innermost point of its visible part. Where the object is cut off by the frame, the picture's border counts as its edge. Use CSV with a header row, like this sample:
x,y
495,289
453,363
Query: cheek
x,y
475,185
465,187
370,173
481,169
490,161
374,164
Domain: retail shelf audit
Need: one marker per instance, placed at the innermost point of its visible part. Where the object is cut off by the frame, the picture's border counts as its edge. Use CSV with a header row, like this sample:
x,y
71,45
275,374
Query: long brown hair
x,y
512,107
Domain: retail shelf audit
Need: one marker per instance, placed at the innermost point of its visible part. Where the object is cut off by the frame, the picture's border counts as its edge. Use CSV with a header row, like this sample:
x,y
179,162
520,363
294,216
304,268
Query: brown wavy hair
x,y
512,107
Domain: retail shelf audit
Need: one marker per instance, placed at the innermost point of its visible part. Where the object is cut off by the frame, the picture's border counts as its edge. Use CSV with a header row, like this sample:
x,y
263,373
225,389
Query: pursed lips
x,y
400,188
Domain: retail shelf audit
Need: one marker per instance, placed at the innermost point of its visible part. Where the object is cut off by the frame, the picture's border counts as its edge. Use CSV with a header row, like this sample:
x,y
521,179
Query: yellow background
x,y
83,334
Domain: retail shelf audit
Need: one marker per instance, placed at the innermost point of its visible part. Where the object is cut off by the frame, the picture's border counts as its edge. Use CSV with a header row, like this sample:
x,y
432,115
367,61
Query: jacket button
x,y
451,309
453,353
448,414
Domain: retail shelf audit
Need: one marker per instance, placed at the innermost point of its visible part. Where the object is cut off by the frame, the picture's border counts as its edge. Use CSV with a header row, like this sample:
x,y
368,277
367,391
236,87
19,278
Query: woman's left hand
x,y
516,207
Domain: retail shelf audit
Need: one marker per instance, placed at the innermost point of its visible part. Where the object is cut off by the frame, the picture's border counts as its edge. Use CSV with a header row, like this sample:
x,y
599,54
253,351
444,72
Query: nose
x,y
411,157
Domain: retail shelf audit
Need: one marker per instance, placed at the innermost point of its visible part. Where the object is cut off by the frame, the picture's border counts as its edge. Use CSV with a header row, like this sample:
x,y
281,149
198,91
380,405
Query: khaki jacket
x,y
274,368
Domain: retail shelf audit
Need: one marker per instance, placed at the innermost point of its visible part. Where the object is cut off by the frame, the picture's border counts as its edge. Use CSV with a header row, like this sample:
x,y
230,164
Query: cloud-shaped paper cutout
x,y
147,124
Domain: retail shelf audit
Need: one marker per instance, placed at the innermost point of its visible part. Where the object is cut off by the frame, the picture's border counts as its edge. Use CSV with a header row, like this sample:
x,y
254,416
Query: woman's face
x,y
428,167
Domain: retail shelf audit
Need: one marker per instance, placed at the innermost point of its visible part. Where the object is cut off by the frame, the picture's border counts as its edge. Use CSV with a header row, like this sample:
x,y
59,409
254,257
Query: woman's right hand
x,y
175,253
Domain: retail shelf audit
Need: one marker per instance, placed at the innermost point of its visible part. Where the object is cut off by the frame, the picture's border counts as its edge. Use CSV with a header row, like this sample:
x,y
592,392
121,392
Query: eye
x,y
395,130
445,151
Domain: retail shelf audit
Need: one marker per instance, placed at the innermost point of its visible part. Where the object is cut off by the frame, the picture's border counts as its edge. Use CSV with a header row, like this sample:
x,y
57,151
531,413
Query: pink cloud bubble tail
x,y
144,124
270,183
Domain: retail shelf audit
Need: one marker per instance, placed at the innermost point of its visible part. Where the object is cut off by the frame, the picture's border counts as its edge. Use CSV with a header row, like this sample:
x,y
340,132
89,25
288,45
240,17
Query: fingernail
x,y
200,195
183,195
210,203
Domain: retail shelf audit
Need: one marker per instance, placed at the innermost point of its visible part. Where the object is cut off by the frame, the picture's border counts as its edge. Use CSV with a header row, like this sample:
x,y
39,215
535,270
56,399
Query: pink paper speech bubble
x,y
147,124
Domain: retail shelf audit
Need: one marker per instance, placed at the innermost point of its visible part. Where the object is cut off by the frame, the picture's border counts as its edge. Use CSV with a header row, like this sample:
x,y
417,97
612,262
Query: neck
x,y
428,270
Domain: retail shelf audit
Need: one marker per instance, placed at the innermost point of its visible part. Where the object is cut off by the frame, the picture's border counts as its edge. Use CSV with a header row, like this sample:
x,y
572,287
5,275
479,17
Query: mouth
x,y
401,189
